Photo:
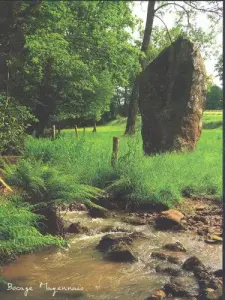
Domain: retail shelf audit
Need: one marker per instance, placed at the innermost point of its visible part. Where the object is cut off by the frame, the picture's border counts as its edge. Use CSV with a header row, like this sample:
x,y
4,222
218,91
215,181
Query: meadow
x,y
164,178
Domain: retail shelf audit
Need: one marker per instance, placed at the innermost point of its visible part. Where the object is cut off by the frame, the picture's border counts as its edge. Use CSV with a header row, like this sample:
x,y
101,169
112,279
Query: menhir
x,y
172,92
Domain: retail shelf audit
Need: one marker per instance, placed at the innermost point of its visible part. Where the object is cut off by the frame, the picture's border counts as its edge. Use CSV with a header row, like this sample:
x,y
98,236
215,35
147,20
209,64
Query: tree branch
x,y
167,30
175,4
148,26
217,11
158,8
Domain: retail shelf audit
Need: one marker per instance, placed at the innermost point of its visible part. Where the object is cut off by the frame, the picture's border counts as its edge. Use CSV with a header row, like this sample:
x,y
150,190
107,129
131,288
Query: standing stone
x,y
172,97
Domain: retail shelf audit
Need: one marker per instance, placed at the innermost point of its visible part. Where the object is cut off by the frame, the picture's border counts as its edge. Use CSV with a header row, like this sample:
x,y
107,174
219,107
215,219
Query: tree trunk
x,y
42,115
11,40
125,105
46,106
94,128
133,106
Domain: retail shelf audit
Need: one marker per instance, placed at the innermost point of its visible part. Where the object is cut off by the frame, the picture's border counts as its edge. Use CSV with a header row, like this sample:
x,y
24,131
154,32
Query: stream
x,y
82,267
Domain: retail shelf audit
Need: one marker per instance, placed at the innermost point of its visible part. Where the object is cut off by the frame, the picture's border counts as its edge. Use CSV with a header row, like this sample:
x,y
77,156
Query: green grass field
x,y
164,178
118,125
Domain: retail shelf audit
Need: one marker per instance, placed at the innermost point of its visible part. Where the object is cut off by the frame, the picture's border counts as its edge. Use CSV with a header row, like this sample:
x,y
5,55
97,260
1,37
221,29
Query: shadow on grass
x,y
212,125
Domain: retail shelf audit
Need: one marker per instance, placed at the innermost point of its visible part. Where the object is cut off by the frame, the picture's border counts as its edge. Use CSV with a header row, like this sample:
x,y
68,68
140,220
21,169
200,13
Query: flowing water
x,y
81,267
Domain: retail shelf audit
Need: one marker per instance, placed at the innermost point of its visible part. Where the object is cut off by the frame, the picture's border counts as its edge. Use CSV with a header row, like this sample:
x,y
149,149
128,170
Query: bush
x,y
14,120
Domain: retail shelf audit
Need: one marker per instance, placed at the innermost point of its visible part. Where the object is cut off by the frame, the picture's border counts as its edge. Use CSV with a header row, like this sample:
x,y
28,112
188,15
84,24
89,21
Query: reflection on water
x,y
82,266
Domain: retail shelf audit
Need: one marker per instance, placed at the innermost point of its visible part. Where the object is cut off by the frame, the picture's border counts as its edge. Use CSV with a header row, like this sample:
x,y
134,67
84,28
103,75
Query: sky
x,y
140,10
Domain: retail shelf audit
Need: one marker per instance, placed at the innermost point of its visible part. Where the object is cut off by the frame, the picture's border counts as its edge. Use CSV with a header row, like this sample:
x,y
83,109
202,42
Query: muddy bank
x,y
200,216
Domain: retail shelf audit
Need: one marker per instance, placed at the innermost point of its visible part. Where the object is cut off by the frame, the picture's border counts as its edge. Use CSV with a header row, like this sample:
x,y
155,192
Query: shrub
x,y
14,119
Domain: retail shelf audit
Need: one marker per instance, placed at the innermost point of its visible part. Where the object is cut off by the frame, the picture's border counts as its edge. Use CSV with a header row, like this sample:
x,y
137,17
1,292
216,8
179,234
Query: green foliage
x,y
104,91
209,82
214,98
76,54
14,119
19,233
44,185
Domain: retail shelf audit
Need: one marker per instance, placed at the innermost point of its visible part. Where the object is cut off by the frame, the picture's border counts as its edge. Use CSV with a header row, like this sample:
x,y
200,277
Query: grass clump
x,y
44,187
44,184
19,231
86,159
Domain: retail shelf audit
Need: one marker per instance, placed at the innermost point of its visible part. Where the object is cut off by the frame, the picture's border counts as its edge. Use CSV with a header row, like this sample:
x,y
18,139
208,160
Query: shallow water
x,y
83,267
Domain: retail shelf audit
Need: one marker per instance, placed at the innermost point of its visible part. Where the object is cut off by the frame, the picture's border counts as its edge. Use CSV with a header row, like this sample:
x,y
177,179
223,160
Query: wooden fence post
x,y
59,129
115,151
84,131
53,132
76,132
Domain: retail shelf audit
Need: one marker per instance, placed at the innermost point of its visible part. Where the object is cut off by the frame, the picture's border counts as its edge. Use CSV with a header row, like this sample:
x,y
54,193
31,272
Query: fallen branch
x,y
4,186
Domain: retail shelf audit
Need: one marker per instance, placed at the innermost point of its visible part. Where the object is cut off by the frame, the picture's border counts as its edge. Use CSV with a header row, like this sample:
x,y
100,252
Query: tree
x,y
214,98
14,118
186,12
77,53
133,106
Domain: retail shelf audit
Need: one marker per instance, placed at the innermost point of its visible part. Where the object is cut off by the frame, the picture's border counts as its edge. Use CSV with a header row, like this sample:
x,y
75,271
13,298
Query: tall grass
x,y
46,184
19,231
163,178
